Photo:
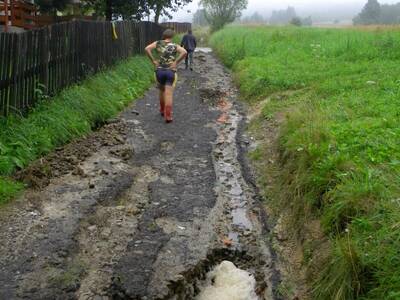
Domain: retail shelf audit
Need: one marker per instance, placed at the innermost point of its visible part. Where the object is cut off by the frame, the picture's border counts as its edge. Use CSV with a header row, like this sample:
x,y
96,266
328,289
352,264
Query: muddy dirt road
x,y
141,209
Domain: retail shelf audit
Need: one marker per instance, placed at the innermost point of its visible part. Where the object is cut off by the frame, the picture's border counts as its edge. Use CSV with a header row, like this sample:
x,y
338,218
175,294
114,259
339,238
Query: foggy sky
x,y
316,8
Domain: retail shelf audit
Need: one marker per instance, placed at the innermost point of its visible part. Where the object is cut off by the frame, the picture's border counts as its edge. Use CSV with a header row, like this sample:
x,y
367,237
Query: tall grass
x,y
340,143
73,113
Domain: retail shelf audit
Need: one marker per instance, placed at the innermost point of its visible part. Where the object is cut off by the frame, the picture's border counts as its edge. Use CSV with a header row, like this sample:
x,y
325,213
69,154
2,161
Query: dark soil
x,y
141,209
66,159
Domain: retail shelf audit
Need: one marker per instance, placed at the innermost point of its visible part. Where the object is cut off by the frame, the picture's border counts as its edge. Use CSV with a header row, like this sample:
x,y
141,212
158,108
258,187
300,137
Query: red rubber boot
x,y
168,114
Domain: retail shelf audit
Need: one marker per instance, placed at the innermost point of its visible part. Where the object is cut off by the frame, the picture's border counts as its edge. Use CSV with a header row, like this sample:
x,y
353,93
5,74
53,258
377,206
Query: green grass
x,y
340,143
9,189
71,114
202,35
178,38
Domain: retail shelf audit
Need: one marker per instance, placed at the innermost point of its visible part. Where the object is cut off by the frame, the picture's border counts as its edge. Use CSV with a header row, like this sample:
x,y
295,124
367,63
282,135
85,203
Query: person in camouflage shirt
x,y
167,53
168,56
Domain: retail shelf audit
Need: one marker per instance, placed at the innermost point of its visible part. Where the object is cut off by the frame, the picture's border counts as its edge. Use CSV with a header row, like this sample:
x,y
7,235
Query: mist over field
x,y
319,10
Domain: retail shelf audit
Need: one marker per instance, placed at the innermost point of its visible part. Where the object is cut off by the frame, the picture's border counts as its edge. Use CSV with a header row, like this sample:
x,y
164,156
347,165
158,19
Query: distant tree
x,y
114,9
370,14
221,12
283,16
390,14
255,18
199,18
133,9
307,21
52,6
165,7
296,21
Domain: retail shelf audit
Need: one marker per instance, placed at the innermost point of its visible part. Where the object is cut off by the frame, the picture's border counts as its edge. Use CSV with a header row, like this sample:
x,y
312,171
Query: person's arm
x,y
149,49
182,54
195,42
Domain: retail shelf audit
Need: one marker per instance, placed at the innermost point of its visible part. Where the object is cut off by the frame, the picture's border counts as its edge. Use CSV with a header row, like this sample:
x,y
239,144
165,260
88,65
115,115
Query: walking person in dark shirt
x,y
189,43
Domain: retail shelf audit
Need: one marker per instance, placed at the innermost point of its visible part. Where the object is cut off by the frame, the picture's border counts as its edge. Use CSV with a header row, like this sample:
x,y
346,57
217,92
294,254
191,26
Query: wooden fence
x,y
46,60
177,27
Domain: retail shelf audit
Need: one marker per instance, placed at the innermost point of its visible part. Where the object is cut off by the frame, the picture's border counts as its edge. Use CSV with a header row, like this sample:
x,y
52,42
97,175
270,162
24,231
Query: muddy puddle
x,y
203,50
227,282
226,274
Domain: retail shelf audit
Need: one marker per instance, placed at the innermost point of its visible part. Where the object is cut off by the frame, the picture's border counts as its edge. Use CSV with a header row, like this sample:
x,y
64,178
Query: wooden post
x,y
12,12
6,15
45,54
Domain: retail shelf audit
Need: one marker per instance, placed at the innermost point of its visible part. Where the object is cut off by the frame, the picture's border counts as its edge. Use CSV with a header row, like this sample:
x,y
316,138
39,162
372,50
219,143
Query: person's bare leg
x,y
168,97
162,101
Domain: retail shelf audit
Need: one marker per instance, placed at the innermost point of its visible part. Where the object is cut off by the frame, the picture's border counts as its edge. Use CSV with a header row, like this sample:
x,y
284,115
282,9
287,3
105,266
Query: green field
x,y
339,146
73,113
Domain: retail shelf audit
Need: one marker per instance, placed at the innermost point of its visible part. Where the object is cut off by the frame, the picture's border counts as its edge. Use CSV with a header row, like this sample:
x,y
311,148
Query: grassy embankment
x,y
339,145
71,114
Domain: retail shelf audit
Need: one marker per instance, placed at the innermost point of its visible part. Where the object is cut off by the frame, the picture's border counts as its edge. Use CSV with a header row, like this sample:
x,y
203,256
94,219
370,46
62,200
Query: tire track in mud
x,y
146,218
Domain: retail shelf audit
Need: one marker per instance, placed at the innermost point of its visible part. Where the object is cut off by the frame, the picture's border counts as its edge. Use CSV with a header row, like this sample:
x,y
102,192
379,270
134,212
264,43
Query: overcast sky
x,y
303,7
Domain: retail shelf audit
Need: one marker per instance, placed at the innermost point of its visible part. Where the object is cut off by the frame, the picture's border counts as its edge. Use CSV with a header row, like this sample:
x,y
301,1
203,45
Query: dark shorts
x,y
166,77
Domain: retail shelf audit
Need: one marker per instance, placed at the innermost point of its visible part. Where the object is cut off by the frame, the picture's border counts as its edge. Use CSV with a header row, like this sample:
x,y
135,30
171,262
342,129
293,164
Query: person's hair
x,y
190,31
168,34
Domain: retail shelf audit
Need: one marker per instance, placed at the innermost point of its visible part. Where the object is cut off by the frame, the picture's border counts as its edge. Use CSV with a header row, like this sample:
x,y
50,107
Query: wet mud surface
x,y
141,209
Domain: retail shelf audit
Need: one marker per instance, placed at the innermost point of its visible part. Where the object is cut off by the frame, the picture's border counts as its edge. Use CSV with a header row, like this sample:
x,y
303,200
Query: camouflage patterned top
x,y
167,53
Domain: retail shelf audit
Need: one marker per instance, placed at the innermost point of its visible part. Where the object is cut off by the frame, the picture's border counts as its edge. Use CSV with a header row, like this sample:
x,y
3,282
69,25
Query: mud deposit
x,y
141,209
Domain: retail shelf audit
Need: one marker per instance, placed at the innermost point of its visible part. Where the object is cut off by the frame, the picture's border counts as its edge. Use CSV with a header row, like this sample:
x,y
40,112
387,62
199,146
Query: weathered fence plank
x,y
46,60
178,27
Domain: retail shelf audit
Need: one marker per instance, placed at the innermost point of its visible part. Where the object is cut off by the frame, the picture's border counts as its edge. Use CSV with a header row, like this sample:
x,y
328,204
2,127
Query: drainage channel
x,y
241,266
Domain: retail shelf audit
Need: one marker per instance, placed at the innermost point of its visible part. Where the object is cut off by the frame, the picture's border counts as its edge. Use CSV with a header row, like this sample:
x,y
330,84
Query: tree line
x,y
216,13
375,13
116,9
278,17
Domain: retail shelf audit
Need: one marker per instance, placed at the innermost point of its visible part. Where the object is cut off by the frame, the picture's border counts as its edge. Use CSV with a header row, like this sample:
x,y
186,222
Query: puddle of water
x,y
204,50
234,237
227,282
240,218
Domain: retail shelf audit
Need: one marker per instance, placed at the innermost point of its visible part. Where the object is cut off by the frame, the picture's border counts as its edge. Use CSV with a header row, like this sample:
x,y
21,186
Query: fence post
x,y
44,59
14,73
6,15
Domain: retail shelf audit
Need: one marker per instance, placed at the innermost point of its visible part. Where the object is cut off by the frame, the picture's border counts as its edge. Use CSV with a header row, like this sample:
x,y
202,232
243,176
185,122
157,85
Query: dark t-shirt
x,y
189,42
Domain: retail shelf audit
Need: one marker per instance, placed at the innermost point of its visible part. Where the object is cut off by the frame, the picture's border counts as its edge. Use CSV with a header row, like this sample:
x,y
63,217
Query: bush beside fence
x,y
44,61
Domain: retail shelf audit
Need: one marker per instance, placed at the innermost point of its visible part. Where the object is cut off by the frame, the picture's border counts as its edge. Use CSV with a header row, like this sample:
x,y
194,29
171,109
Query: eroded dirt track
x,y
148,212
